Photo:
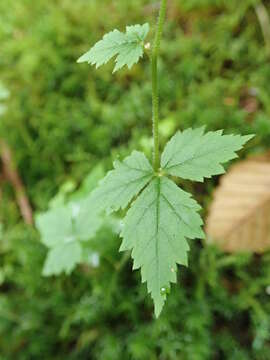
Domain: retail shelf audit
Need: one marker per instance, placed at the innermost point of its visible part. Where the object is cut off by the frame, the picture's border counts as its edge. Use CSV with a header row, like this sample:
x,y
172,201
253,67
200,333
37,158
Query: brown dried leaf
x,y
239,216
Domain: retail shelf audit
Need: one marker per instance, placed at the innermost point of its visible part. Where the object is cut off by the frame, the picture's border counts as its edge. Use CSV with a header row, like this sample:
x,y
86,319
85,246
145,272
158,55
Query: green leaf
x,y
62,258
62,230
120,185
156,229
55,226
193,155
127,47
75,221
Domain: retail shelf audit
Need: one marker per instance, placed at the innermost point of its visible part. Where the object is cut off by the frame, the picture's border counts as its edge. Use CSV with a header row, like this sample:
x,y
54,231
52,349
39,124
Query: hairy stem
x,y
155,90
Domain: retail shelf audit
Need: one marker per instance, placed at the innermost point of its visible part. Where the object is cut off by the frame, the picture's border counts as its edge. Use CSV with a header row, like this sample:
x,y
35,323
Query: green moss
x,y
63,119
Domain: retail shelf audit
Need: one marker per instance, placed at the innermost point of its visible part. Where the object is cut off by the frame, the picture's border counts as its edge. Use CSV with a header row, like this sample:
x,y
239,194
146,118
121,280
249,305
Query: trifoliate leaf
x,y
193,155
55,226
155,229
62,230
62,258
127,47
75,221
120,185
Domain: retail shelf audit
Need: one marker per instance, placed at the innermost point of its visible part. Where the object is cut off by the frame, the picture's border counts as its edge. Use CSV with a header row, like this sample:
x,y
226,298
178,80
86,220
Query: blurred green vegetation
x,y
62,119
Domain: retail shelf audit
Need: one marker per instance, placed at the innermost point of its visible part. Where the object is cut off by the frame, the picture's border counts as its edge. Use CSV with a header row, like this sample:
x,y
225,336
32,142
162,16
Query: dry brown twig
x,y
10,173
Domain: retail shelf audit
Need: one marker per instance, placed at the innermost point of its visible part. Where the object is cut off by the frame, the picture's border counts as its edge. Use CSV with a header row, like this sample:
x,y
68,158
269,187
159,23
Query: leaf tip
x,y
158,310
249,137
80,60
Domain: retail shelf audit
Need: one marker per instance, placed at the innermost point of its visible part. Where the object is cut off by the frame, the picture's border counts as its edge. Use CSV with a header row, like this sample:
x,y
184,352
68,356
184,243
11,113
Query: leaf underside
x,y
127,48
